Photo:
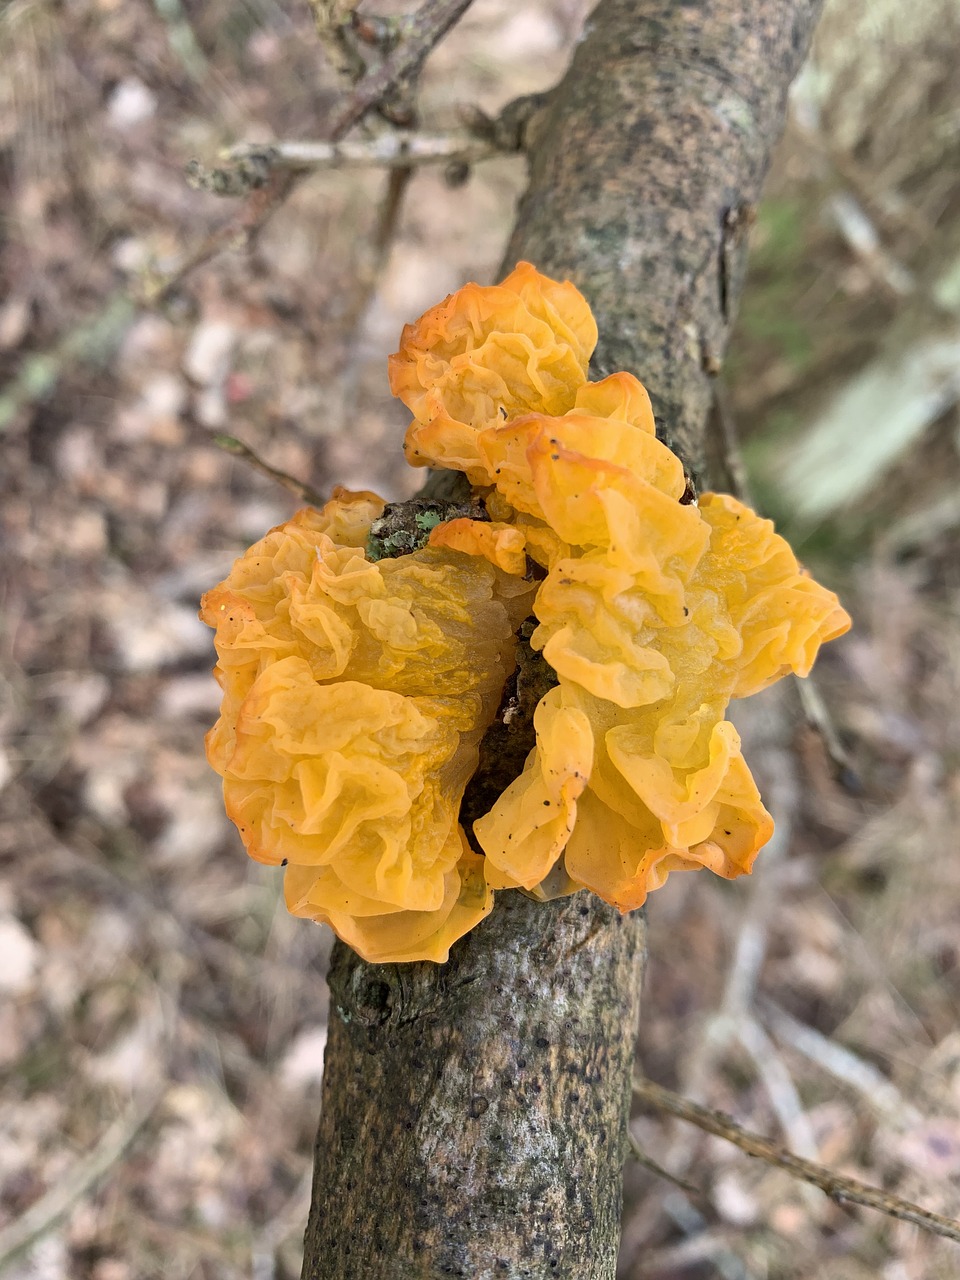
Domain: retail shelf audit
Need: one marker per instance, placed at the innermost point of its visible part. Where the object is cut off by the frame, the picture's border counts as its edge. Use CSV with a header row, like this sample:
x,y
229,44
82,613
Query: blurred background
x,y
162,1020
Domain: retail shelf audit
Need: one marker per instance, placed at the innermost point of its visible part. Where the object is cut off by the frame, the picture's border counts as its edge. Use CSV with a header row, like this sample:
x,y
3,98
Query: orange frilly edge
x,y
356,691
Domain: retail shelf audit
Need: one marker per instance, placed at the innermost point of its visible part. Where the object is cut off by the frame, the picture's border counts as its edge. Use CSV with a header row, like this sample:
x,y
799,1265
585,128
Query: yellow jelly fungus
x,y
668,788
501,544
484,355
356,692
355,696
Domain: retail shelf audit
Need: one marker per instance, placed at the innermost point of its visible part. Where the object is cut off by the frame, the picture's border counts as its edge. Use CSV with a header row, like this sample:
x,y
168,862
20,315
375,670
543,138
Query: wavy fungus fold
x,y
356,691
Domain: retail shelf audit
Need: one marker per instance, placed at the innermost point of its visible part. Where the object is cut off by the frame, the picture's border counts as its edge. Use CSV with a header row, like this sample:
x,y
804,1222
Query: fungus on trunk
x,y
357,689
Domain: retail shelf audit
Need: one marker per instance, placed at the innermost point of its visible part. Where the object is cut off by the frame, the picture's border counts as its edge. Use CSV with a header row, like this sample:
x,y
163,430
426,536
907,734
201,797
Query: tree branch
x,y
230,444
248,166
472,1120
654,151
837,1186
474,1117
332,21
425,29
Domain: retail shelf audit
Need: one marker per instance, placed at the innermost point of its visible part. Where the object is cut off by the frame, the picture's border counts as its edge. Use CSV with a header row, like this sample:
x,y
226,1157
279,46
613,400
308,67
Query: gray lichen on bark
x,y
474,1114
405,527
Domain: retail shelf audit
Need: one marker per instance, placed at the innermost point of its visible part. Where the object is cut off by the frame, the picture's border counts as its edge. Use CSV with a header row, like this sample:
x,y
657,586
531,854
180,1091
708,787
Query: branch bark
x,y
652,156
474,1115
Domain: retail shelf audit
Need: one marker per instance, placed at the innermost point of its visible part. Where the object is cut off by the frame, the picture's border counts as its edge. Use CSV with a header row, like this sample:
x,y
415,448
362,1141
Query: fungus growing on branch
x,y
484,355
355,696
357,690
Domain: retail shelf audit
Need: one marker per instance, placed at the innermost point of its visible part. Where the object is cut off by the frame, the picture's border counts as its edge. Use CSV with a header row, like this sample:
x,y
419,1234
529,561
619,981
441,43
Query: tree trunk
x,y
474,1114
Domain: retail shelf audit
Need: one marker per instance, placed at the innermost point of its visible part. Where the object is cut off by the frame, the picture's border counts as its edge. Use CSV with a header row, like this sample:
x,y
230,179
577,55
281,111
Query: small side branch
x,y
332,19
819,718
425,29
247,166
658,1170
236,233
837,1186
230,444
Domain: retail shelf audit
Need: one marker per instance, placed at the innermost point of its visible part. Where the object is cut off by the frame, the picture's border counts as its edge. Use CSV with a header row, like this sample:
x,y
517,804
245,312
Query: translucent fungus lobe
x,y
356,690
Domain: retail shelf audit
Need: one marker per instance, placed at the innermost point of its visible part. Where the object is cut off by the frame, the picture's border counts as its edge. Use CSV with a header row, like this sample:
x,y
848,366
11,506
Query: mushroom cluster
x,y
357,690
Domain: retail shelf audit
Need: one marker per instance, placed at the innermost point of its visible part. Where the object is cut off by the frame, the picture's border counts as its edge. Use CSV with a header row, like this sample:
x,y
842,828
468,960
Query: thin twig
x,y
648,1162
818,717
230,444
388,215
331,19
427,27
247,166
837,1186
235,234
